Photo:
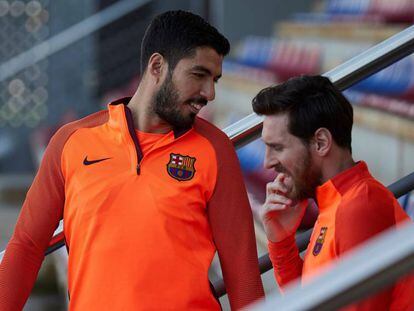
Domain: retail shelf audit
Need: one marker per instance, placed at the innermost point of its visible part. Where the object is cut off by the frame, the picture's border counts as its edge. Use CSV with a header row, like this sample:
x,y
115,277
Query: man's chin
x,y
187,123
178,121
295,197
298,194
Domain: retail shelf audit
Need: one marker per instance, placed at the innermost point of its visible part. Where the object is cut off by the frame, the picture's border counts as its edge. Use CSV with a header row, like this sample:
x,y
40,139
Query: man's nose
x,y
208,91
270,160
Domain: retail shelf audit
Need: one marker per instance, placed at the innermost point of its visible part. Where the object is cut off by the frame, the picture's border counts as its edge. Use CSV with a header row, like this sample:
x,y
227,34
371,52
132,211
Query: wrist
x,y
275,237
286,242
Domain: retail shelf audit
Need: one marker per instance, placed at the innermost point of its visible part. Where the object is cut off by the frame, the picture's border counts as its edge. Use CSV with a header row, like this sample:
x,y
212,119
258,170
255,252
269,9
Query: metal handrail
x,y
343,76
357,274
398,188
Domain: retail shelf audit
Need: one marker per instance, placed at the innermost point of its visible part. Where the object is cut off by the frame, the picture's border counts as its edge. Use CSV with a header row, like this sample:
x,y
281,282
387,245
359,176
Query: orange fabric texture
x,y
142,225
353,207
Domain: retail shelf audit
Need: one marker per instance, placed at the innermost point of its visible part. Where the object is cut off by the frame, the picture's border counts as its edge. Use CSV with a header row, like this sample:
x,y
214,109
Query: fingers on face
x,y
276,202
277,198
278,185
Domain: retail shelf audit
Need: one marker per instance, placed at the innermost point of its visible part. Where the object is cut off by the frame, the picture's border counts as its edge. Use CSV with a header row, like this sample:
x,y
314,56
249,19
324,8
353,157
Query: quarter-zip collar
x,y
341,183
120,119
116,116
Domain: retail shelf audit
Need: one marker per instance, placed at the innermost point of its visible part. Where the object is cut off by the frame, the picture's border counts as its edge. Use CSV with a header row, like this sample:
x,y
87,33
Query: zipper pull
x,y
138,169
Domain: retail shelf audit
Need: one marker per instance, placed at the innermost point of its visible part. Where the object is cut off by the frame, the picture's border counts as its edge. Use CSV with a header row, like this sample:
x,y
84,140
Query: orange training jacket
x,y
353,207
141,229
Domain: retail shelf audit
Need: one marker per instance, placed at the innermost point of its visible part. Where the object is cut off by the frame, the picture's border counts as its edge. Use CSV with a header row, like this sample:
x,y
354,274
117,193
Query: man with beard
x,y
307,131
148,191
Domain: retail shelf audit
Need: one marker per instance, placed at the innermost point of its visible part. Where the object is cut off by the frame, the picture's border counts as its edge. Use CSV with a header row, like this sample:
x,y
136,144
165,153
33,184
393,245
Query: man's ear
x,y
322,140
156,66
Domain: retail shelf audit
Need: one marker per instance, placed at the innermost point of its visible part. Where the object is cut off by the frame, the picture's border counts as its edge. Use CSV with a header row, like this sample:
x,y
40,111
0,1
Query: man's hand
x,y
281,216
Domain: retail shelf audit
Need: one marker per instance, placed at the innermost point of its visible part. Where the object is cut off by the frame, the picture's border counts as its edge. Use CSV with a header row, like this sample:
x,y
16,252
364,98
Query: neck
x,y
336,164
141,106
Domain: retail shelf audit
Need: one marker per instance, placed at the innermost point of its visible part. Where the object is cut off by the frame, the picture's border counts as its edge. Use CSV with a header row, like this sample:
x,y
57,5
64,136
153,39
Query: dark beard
x,y
166,106
308,181
305,181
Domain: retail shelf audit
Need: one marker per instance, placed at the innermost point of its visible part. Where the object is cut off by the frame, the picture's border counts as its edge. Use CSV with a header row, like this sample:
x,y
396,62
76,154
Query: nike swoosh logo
x,y
87,162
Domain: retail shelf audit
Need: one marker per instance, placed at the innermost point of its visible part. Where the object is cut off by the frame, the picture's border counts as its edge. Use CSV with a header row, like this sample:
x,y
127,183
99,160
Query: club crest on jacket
x,y
181,167
319,242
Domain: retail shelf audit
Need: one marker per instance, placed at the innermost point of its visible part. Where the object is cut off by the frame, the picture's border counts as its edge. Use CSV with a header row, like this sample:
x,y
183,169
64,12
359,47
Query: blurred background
x,y
61,60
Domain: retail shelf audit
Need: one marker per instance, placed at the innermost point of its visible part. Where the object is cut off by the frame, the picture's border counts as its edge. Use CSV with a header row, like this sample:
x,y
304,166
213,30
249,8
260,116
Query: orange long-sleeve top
x,y
141,224
353,207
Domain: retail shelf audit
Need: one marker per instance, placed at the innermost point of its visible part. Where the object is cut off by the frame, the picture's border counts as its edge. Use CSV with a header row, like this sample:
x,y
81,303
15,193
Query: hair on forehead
x,y
177,34
311,102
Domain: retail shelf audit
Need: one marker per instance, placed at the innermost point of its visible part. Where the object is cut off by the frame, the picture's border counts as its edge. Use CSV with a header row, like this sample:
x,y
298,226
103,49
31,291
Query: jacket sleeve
x,y
231,222
286,261
362,217
38,219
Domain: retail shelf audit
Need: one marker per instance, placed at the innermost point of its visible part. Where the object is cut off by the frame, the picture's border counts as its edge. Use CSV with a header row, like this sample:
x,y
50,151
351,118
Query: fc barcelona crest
x,y
181,167
319,242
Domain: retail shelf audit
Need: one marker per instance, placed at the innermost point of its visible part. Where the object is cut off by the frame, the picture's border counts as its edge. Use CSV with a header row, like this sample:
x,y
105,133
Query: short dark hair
x,y
176,34
311,102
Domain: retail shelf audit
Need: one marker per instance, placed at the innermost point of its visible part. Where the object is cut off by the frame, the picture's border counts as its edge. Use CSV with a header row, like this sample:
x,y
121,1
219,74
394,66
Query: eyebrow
x,y
206,71
273,145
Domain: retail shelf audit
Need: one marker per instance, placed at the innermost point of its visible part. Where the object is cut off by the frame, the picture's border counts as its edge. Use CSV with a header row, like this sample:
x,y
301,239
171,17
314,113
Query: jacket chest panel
x,y
109,187
321,249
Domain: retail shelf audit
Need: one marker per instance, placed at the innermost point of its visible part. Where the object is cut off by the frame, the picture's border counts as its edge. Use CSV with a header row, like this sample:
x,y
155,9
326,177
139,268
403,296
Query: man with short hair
x,y
147,190
307,131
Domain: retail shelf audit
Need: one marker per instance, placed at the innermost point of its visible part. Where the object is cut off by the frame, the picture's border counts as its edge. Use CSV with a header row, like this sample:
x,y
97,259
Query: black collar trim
x,y
123,100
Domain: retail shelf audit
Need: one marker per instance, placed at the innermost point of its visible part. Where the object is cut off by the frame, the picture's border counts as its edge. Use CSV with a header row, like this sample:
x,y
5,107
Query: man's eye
x,y
198,74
